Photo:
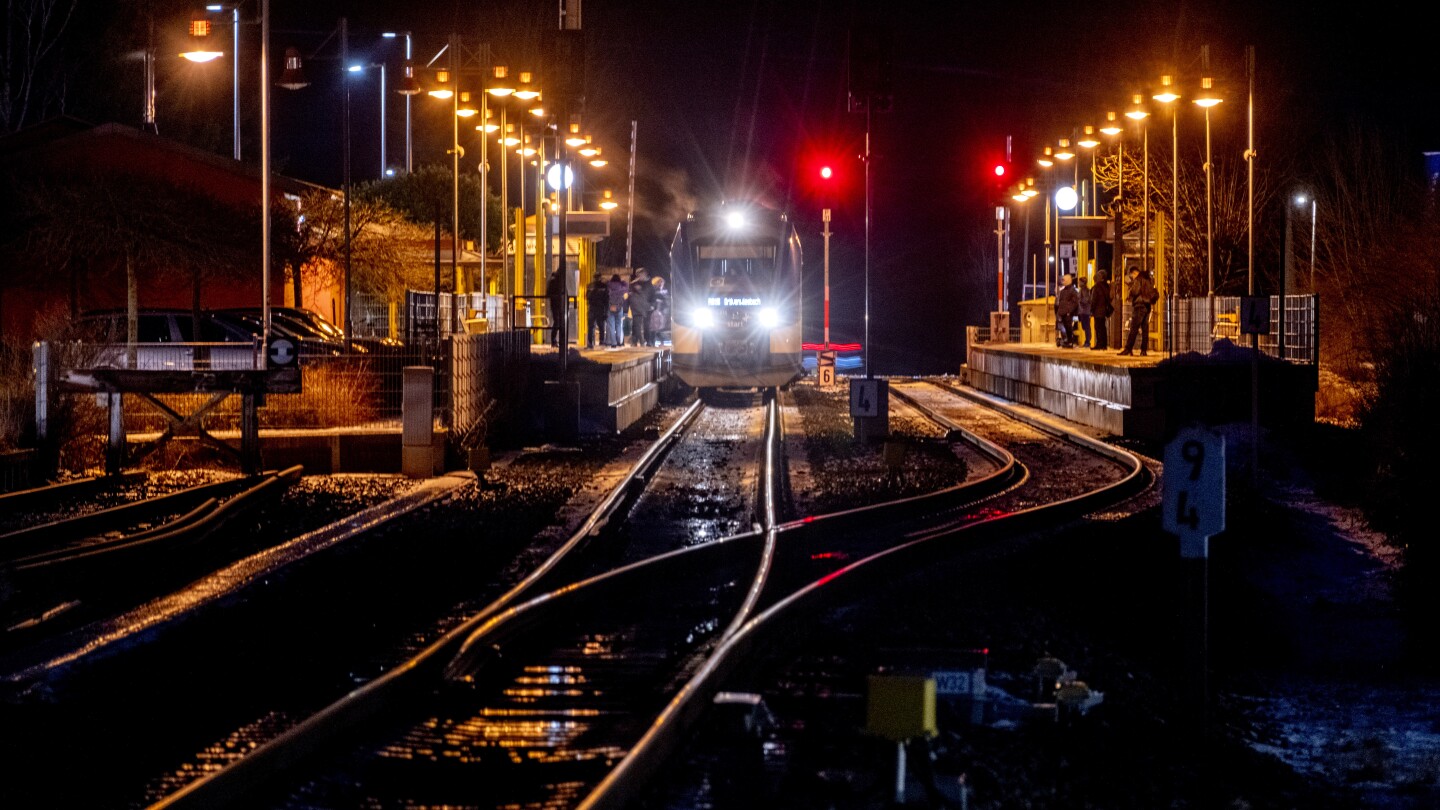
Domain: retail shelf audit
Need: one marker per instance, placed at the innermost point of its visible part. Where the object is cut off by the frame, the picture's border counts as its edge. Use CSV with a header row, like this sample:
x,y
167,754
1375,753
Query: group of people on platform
x,y
638,308
1079,310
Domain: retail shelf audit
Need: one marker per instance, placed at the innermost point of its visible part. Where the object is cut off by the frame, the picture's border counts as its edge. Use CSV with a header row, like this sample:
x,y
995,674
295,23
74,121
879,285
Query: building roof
x,y
65,143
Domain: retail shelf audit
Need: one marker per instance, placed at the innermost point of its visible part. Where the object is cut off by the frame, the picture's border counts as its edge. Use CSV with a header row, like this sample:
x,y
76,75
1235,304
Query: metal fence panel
x,y
1197,323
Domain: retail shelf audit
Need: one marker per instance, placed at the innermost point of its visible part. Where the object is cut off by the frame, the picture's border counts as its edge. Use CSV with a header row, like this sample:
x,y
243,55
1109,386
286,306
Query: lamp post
x,y
1300,200
1139,114
381,66
199,31
502,89
408,87
1168,96
1206,100
294,79
1047,161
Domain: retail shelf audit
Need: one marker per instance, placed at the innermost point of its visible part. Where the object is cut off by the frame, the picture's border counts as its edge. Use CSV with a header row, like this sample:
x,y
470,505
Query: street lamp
x,y
408,87
1167,95
1300,200
294,79
381,66
201,28
1207,99
1139,114
1047,161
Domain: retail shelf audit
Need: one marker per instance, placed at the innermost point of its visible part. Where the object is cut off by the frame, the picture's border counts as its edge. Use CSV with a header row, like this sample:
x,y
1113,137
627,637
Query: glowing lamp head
x,y
769,317
1066,198
736,220
999,169
702,317
826,172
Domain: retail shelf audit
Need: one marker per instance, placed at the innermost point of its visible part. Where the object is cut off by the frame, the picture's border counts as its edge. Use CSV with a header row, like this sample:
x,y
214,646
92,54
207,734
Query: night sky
x,y
741,98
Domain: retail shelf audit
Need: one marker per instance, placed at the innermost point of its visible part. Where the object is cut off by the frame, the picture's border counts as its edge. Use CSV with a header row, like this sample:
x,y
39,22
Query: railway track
x,y
542,697
64,567
748,662
592,546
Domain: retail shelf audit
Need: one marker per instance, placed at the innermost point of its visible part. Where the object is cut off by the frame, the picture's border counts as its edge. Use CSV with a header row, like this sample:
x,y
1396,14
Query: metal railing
x,y
456,314
1198,323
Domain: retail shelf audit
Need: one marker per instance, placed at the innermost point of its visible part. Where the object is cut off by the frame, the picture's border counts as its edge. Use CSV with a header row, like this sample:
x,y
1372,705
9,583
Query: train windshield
x,y
754,262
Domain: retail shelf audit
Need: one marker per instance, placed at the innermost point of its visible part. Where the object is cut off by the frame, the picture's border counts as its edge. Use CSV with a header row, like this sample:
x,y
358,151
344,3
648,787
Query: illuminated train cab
x,y
735,298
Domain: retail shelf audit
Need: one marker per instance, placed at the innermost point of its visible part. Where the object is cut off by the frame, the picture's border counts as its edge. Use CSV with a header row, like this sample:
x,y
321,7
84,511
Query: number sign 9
x,y
1194,488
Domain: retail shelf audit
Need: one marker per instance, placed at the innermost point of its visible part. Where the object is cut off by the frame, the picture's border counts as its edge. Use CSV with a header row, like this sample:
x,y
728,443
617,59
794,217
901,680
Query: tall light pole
x,y
1300,200
383,152
1208,99
1047,161
1250,170
1139,114
1168,96
1063,154
409,87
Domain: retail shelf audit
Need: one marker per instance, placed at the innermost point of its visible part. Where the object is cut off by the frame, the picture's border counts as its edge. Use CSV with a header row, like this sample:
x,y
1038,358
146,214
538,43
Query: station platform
x,y
1145,398
611,388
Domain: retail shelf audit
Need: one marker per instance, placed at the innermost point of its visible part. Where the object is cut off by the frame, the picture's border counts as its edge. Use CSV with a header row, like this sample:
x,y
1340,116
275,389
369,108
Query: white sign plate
x,y
865,397
1193,502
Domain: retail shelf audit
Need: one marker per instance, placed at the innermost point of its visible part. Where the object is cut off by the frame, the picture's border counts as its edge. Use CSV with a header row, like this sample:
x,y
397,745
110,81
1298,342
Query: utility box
x,y
1037,320
900,707
1000,327
418,456
562,410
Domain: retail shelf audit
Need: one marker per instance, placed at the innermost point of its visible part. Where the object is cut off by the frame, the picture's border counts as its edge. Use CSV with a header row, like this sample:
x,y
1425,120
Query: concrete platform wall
x,y
1145,402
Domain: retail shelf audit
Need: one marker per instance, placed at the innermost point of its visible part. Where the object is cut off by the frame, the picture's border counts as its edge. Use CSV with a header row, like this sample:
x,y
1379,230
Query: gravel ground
x,y
837,472
153,485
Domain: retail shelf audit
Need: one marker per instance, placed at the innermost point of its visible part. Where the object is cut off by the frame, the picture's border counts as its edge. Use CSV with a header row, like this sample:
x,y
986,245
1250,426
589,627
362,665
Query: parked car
x,y
312,327
155,329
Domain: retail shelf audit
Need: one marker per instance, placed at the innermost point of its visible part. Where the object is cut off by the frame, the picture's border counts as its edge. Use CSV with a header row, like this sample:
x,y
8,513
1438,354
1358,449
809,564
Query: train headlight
x,y
702,317
769,317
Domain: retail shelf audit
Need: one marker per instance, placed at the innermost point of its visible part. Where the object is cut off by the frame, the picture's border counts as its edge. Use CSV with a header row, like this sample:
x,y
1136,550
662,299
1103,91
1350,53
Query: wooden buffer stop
x,y
216,370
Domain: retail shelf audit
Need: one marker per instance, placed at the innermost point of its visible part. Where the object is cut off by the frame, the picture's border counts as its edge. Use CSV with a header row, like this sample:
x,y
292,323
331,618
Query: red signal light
x,y
999,170
826,172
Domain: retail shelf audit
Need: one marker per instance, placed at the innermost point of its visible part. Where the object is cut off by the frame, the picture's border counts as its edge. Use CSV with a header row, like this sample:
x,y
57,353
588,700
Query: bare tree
x,y
378,235
32,75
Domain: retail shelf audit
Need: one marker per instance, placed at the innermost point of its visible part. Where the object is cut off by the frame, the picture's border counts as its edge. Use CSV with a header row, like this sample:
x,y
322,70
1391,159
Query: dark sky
x,y
738,98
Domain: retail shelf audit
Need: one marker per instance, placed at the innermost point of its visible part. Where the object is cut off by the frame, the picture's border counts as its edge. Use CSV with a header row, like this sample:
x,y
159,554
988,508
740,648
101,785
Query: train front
x,y
735,287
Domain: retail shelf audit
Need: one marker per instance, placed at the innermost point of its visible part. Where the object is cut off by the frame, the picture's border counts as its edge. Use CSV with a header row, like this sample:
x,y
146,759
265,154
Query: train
x,y
735,298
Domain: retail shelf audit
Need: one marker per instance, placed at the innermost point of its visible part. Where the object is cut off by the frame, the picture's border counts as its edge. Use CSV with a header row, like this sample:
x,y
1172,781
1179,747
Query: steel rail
x,y
25,542
36,497
511,622
626,782
233,785
196,524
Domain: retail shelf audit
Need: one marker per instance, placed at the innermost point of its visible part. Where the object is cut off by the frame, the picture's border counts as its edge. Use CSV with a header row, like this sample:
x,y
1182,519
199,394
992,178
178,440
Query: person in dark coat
x,y
642,300
1142,297
1082,312
617,290
1067,303
555,293
597,301
1100,309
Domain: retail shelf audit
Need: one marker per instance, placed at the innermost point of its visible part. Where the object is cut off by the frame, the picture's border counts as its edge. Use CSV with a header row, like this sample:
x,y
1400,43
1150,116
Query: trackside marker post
x,y
1193,509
